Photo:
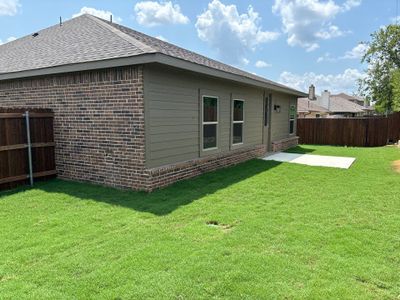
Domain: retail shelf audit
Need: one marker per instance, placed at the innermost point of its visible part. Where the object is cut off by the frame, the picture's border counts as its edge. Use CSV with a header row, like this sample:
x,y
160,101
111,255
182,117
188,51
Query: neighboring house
x,y
332,106
133,111
368,110
309,109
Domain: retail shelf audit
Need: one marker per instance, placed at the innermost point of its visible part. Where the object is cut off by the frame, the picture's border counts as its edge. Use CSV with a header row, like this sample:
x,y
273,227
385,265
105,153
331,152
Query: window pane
x,y
292,111
237,133
291,129
210,108
209,136
238,110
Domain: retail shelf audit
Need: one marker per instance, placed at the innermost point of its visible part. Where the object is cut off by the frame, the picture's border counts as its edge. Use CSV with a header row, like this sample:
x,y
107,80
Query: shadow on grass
x,y
300,150
164,201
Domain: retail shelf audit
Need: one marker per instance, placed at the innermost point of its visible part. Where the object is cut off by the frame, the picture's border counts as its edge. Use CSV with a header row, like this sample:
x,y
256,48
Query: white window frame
x,y
209,123
292,119
237,122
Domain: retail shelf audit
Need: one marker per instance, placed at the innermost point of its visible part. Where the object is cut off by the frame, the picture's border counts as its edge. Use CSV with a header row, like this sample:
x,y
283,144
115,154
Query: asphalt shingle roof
x,y
79,40
88,39
336,105
306,105
342,105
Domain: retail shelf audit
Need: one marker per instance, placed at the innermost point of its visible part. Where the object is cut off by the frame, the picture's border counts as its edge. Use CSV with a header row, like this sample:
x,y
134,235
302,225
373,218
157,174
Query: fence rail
x,y
356,132
25,154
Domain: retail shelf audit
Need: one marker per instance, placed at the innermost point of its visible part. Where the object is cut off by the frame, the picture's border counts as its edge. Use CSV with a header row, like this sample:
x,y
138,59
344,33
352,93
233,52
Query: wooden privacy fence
x,y
356,132
26,152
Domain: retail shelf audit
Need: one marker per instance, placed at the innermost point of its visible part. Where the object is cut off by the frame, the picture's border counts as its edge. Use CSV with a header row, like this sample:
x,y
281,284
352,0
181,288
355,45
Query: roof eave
x,y
79,67
187,65
145,59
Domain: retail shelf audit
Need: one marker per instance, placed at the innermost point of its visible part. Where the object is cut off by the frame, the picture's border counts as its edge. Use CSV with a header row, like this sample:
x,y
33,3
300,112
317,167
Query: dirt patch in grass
x,y
224,227
396,166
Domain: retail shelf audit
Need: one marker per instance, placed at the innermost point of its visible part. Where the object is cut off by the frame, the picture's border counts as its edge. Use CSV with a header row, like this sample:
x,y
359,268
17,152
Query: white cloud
x,y
262,64
349,4
335,83
9,7
312,47
307,21
329,33
160,37
230,33
152,13
10,39
98,13
395,20
326,57
245,61
356,53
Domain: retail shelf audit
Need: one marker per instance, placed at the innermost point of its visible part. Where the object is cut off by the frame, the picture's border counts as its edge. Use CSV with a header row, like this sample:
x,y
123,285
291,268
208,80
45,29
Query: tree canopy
x,y
396,90
382,80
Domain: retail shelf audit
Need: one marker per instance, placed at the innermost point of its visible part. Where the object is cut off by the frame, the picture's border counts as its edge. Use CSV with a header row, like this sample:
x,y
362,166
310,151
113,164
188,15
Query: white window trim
x,y
209,123
237,122
292,119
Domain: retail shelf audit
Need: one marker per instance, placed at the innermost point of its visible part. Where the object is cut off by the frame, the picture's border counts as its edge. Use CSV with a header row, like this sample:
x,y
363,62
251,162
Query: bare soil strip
x,y
396,166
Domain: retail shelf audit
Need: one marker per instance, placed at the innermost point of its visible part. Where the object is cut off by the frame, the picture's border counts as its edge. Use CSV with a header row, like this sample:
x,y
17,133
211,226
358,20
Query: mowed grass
x,y
280,231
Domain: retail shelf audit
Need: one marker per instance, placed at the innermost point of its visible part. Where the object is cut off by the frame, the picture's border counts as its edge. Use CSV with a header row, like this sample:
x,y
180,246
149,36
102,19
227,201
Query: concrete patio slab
x,y
313,160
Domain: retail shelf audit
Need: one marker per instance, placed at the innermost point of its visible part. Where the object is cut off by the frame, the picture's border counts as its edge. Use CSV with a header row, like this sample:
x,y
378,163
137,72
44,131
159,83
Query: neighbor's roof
x,y
349,97
337,105
306,105
88,42
342,105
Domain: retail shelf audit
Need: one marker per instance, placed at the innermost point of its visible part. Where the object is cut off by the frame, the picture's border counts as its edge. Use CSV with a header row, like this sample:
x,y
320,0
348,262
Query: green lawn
x,y
284,231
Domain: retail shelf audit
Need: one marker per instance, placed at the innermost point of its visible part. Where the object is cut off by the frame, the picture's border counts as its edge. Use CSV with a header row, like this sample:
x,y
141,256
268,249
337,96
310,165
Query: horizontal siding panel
x,y
158,113
171,87
176,129
172,152
170,160
168,137
175,144
191,105
158,90
174,121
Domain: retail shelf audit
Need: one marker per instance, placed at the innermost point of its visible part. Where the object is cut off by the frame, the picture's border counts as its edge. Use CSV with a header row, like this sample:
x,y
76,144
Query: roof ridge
x,y
146,48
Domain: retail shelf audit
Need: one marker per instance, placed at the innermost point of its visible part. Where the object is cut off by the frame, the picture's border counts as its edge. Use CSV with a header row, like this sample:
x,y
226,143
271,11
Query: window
x,y
292,117
210,122
238,121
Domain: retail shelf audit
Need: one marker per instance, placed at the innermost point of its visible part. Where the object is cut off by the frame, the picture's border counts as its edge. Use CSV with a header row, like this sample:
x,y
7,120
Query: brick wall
x,y
163,176
285,144
98,124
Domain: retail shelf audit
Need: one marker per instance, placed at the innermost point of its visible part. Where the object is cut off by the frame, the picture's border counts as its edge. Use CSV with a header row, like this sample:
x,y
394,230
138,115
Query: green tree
x,y
383,59
395,83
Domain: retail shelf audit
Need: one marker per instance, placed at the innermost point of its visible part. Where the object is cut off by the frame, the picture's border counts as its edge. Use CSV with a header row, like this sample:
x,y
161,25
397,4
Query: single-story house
x,y
132,111
309,109
332,106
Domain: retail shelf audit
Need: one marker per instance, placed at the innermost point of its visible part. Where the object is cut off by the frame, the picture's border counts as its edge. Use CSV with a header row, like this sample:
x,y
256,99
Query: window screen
x,y
210,122
238,121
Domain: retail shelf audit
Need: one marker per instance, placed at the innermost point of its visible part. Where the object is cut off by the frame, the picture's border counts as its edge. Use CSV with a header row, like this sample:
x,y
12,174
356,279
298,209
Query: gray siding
x,y
280,121
172,101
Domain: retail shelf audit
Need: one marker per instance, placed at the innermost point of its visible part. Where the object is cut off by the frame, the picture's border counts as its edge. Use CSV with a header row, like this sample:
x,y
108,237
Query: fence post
x,y
28,137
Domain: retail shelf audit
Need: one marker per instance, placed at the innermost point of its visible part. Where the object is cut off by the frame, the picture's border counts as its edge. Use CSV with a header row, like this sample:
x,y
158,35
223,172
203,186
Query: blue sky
x,y
295,42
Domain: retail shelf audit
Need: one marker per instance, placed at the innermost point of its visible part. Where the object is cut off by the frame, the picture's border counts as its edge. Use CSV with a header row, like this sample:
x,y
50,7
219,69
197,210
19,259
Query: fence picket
x,y
355,132
14,146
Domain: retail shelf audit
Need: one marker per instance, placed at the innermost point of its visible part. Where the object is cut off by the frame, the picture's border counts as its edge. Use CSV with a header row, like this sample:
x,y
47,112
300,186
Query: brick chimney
x,y
311,92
